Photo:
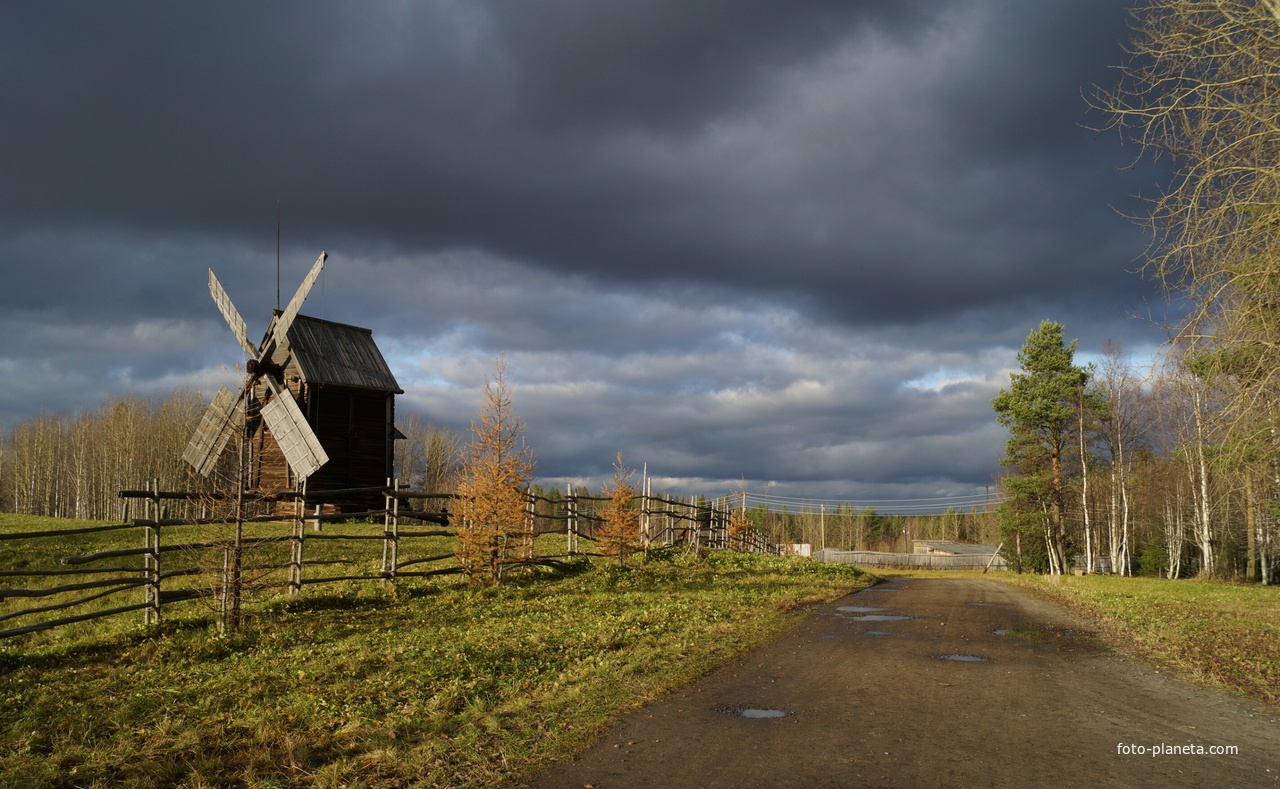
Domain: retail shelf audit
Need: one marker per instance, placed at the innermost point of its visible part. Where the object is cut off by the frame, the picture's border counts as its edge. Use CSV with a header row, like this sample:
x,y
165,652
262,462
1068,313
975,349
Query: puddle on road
x,y
981,603
748,712
1034,635
880,618
877,633
858,608
964,658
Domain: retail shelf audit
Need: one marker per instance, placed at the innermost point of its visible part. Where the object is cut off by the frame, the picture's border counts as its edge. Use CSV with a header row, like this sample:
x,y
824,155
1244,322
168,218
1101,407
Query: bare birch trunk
x,y
1084,491
1113,524
1204,526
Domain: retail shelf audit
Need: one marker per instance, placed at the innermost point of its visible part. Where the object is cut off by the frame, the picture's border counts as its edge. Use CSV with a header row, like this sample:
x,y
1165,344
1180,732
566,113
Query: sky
x,y
791,243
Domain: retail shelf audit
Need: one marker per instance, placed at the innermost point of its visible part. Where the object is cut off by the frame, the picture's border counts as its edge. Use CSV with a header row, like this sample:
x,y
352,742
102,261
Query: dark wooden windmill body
x,y
317,404
346,392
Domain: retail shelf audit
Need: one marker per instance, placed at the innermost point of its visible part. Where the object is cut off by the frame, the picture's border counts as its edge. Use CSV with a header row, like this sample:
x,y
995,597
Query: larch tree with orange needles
x,y
619,535
496,469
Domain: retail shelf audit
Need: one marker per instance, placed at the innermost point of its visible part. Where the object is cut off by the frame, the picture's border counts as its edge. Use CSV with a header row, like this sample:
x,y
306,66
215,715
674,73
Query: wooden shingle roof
x,y
335,354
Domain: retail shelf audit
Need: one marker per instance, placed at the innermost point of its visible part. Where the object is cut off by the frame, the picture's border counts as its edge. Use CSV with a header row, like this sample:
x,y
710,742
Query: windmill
x,y
297,441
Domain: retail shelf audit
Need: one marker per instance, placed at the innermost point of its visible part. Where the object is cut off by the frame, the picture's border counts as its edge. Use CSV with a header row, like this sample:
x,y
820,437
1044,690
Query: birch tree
x,y
427,457
1123,427
1187,405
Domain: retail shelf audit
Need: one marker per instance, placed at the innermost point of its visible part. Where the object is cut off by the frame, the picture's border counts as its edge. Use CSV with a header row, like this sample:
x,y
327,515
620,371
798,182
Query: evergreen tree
x,y
1041,410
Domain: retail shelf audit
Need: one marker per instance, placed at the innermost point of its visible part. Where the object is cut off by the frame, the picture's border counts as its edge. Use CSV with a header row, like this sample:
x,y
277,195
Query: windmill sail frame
x,y
296,439
213,433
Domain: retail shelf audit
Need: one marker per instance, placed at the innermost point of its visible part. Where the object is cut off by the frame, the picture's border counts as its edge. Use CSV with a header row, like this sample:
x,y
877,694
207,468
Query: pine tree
x,y
1040,409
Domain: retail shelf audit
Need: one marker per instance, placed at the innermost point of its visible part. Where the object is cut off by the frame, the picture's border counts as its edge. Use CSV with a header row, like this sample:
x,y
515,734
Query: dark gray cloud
x,y
736,238
670,65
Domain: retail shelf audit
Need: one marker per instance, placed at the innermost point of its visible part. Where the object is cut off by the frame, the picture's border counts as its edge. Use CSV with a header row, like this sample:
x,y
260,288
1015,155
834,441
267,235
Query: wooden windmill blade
x,y
295,303
298,442
211,436
231,314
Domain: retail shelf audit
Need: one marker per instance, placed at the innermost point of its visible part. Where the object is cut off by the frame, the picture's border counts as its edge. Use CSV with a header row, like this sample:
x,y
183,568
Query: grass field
x,y
1227,635
431,684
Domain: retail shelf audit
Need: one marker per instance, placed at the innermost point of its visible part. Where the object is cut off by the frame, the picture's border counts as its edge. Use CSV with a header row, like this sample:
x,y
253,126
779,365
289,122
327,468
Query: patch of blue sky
x,y
942,377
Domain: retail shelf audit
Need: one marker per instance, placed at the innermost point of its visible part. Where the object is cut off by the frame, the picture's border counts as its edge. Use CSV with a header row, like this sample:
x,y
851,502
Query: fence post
x,y
391,533
645,536
386,528
151,559
530,528
395,529
224,593
162,512
149,590
299,529
571,509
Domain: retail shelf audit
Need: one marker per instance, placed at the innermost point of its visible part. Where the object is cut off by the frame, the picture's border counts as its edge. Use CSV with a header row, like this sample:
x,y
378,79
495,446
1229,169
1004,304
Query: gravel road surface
x,y
935,683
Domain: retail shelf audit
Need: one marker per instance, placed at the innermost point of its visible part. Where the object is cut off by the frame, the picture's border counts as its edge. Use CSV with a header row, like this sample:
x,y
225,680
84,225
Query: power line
x,y
918,506
955,498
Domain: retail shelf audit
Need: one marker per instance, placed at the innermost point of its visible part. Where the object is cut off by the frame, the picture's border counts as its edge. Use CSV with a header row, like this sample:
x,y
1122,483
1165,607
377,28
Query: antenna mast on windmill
x,y
297,441
277,254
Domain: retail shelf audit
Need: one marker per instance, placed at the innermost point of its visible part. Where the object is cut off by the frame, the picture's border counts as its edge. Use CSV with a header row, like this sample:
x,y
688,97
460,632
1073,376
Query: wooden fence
x,y
914,561
260,525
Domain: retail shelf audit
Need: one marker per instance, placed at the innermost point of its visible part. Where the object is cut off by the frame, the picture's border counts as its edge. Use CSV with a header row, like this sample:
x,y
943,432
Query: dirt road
x,y
982,685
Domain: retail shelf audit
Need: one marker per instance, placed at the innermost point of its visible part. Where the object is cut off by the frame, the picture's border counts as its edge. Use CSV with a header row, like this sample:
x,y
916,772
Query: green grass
x,y
431,684
1226,635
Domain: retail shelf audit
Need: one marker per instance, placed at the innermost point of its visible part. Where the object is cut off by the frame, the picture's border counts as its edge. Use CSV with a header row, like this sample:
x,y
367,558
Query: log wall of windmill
x,y
354,427
269,471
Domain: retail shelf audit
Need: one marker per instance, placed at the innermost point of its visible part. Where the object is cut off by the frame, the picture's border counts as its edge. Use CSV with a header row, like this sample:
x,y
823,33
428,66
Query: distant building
x,y
795,549
948,548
